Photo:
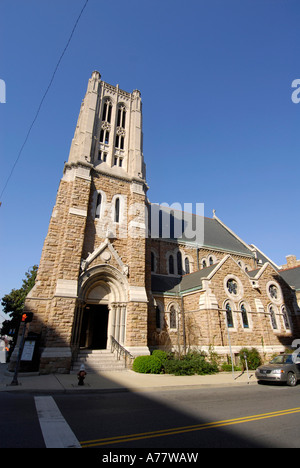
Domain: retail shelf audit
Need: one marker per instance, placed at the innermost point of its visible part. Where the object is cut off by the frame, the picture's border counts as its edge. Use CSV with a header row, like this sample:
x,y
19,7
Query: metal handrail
x,y
121,351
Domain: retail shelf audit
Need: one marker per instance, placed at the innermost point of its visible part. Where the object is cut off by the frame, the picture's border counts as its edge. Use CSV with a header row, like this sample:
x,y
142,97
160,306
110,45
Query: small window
x,y
98,205
102,156
104,136
119,143
187,266
120,162
117,211
211,261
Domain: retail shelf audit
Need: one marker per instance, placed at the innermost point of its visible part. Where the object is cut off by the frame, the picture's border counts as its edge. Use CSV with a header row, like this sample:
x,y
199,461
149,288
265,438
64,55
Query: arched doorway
x,y
101,313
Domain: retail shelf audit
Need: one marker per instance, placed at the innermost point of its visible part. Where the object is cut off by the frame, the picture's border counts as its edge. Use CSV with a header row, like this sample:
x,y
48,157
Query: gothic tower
x,y
90,287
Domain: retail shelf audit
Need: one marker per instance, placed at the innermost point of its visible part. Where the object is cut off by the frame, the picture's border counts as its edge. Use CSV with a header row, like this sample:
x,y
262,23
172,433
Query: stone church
x,y
118,271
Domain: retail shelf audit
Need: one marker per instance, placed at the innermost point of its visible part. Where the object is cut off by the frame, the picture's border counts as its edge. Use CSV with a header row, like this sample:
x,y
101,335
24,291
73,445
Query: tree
x,y
13,303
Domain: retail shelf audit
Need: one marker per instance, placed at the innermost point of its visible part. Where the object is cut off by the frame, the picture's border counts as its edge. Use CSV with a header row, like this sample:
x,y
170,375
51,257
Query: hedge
x,y
190,366
147,365
161,362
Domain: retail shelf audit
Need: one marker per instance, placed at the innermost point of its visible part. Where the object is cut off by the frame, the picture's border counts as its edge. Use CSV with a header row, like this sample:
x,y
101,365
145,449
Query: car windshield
x,y
284,359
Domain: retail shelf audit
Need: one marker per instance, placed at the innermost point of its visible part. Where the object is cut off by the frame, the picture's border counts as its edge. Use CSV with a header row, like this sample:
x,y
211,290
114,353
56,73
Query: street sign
x,y
28,350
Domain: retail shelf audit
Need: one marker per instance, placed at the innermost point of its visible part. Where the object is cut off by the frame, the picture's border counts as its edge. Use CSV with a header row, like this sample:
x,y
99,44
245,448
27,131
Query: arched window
x,y
98,206
171,265
211,260
286,318
117,210
106,114
229,317
273,318
244,316
173,317
121,119
179,263
203,263
187,265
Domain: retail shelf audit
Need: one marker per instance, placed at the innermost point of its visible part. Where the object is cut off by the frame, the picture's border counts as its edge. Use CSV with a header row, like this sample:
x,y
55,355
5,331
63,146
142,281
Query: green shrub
x,y
228,367
161,355
253,358
190,364
147,365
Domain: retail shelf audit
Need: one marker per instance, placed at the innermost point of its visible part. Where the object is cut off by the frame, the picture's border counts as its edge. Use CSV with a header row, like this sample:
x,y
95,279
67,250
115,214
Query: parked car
x,y
281,369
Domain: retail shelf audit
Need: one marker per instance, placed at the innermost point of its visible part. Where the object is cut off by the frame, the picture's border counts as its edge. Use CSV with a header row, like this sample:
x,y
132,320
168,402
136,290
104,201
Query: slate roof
x,y
291,276
177,284
215,233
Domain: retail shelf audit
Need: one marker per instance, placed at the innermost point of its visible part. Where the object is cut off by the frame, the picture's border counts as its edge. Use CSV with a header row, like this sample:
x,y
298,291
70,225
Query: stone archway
x,y
101,312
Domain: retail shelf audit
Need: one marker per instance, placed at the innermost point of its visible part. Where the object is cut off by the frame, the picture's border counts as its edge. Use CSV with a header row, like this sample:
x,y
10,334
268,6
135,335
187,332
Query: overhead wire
x,y
43,98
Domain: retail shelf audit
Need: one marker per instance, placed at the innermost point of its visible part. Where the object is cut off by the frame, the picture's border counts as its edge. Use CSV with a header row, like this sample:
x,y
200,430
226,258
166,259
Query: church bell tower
x,y
91,283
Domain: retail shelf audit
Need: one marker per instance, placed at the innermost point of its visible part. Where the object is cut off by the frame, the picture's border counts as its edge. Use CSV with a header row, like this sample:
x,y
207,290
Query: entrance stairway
x,y
97,360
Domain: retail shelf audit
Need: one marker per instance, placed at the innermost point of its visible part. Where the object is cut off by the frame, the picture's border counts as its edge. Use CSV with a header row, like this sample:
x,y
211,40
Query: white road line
x,y
56,432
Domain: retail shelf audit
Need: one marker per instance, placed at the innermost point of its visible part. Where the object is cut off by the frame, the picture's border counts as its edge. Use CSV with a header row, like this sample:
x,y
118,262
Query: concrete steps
x,y
97,360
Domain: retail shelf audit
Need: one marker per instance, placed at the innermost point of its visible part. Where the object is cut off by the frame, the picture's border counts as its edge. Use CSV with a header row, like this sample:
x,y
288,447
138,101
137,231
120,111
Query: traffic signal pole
x,y
15,378
27,317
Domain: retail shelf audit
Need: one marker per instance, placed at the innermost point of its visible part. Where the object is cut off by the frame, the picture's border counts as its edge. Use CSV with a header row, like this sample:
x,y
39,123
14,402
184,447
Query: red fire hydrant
x,y
81,375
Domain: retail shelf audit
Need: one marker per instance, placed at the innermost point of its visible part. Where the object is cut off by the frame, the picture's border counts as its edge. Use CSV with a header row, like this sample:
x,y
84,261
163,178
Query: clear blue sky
x,y
220,127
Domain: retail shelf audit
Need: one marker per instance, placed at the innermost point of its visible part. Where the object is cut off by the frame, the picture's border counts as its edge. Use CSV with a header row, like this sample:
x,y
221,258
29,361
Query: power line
x,y
43,98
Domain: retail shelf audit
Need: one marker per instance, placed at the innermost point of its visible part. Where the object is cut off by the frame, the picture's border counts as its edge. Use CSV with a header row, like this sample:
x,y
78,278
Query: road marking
x,y
184,429
56,432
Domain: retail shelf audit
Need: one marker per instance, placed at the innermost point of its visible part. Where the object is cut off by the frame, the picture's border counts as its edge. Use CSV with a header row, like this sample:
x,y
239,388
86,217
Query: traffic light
x,y
27,317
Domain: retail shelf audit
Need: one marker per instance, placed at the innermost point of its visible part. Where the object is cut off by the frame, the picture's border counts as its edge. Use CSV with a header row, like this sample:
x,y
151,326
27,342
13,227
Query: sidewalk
x,y
114,381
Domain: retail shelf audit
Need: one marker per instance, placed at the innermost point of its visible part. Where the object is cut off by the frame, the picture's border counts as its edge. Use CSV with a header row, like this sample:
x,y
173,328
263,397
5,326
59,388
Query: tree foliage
x,y
13,303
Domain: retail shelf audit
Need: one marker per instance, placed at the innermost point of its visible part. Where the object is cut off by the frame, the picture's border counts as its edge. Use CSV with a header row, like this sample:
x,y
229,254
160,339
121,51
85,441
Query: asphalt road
x,y
233,417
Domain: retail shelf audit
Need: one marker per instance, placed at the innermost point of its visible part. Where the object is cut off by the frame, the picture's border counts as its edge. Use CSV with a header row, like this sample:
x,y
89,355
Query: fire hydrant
x,y
81,375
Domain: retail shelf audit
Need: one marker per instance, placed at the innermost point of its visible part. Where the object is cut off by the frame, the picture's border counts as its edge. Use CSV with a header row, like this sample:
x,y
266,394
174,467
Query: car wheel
x,y
291,379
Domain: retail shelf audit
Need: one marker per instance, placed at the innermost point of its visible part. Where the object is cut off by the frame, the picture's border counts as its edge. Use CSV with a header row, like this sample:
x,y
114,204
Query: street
x,y
261,416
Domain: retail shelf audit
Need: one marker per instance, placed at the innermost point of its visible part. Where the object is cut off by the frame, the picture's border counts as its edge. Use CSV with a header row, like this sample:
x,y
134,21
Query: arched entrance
x,y
101,313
